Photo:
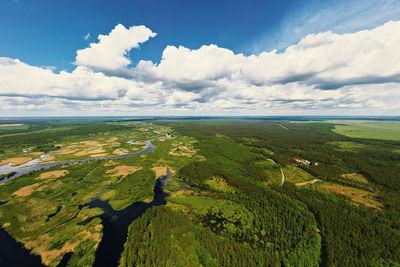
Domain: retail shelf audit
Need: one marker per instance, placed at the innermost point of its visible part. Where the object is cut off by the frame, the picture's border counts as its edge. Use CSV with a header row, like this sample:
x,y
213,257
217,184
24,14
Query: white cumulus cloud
x,y
323,74
110,53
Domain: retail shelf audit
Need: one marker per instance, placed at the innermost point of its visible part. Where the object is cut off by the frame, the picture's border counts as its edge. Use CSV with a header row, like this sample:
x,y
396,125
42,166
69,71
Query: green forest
x,y
261,223
242,193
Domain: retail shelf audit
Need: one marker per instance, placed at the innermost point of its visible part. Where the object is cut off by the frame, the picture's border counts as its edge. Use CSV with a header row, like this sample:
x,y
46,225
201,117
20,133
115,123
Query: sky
x,y
252,58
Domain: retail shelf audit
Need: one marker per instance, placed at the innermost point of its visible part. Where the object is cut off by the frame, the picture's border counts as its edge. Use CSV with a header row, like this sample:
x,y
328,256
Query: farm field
x,y
370,130
13,126
266,194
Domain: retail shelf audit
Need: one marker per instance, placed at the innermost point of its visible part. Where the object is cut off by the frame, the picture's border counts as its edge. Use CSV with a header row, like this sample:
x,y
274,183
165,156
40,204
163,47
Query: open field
x,y
347,146
355,195
13,126
296,175
370,130
272,171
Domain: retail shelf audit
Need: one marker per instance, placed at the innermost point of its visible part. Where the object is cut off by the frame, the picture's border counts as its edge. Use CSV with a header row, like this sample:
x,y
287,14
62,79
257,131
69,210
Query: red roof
x,y
296,159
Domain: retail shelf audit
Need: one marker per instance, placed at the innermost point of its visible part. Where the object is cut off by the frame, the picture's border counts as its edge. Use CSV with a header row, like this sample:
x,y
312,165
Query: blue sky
x,y
46,36
49,32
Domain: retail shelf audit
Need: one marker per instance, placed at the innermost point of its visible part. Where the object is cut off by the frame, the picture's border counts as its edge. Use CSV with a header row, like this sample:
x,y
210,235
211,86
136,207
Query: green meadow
x,y
370,130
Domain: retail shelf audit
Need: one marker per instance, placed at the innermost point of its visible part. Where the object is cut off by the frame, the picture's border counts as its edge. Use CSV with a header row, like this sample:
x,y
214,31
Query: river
x,y
115,223
25,170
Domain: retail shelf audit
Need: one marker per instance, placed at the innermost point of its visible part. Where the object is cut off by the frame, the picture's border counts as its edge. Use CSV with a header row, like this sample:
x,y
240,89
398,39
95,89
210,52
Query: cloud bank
x,y
323,74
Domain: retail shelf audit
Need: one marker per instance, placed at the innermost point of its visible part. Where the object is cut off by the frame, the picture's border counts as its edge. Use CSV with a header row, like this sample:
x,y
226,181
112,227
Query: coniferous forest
x,y
251,221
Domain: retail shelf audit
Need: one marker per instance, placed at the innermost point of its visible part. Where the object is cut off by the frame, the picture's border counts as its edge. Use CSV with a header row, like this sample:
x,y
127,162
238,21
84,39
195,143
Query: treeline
x,y
51,135
46,123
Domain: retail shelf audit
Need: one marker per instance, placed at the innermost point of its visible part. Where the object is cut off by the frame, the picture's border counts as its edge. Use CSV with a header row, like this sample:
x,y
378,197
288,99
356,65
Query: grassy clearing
x,y
355,177
183,149
272,171
219,183
161,170
370,130
123,170
355,195
347,146
53,174
296,175
356,180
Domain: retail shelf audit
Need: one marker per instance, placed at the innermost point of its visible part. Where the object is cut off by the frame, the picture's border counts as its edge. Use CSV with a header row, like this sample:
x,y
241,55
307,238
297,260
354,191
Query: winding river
x,y
24,170
115,223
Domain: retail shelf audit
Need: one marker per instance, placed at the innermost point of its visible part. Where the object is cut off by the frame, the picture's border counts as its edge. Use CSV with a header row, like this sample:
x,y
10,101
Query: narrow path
x,y
283,177
283,126
308,182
